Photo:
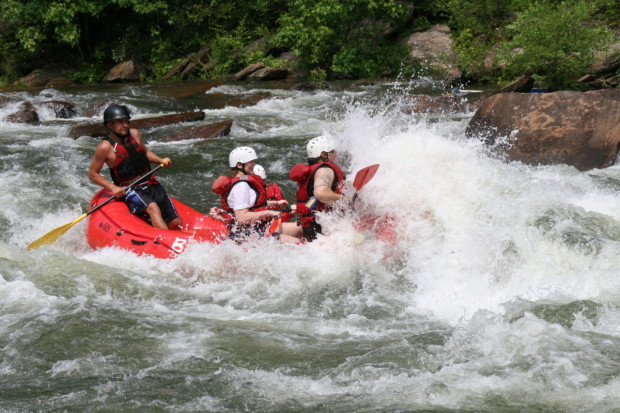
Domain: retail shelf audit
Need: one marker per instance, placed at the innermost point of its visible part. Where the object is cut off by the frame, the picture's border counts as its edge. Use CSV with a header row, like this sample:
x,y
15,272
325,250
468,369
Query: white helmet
x,y
260,171
318,145
241,154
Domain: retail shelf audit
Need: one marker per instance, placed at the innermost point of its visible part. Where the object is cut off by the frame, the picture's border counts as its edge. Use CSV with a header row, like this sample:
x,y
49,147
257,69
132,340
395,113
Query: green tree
x,y
480,17
474,25
553,41
341,35
106,31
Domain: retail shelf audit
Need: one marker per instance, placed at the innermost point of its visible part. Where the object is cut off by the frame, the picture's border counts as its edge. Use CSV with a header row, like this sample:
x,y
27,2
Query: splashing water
x,y
499,292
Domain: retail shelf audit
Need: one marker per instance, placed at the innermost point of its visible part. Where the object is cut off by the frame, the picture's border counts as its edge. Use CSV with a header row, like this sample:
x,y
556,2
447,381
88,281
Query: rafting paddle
x,y
54,234
363,177
275,224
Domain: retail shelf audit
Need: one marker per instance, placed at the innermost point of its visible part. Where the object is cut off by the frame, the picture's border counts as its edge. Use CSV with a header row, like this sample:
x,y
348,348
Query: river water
x,y
500,293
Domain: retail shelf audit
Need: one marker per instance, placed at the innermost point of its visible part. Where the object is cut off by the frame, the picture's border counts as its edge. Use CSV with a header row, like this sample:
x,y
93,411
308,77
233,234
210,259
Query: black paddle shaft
x,y
110,199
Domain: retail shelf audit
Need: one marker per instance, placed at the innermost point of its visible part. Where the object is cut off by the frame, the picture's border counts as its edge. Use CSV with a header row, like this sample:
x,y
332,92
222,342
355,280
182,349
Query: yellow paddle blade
x,y
54,234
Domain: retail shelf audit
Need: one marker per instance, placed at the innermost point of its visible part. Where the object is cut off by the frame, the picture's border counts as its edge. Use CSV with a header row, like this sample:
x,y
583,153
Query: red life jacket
x,y
131,161
304,176
274,193
224,184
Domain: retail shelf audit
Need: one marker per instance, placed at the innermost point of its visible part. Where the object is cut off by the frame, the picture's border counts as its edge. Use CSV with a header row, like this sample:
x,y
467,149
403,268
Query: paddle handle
x,y
110,199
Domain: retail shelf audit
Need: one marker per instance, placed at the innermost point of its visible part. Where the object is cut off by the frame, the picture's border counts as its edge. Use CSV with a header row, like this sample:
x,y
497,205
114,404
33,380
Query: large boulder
x,y
574,128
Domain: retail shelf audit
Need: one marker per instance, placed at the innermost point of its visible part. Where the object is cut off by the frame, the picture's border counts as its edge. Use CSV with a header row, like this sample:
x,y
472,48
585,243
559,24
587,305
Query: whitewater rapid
x,y
500,292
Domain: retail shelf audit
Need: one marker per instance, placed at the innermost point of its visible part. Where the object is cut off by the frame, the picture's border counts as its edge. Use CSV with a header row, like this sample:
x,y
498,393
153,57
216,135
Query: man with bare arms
x,y
125,153
320,184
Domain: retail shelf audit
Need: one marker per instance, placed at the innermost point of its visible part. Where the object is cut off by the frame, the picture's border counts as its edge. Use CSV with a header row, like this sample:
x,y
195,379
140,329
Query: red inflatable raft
x,y
114,226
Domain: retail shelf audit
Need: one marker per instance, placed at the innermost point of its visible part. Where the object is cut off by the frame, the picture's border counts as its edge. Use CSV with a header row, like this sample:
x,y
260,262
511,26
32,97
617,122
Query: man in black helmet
x,y
125,153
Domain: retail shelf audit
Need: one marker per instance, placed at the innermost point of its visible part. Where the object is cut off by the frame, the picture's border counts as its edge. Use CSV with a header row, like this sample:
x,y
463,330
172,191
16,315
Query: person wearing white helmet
x,y
320,184
243,196
260,171
275,196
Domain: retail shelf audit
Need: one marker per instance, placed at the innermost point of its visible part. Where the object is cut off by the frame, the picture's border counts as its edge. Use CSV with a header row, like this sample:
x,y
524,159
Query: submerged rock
x,y
62,110
210,131
25,114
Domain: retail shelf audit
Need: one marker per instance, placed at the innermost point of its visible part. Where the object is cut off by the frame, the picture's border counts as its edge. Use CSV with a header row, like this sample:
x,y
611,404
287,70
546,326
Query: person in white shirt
x,y
243,195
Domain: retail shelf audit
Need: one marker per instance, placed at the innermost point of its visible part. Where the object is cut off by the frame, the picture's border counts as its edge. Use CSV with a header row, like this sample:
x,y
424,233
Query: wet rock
x,y
573,128
242,74
186,90
62,110
268,73
129,71
248,100
25,114
222,100
145,123
210,131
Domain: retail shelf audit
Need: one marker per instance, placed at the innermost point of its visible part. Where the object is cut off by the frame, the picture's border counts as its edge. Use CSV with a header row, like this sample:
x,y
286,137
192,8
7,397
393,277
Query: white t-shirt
x,y
241,196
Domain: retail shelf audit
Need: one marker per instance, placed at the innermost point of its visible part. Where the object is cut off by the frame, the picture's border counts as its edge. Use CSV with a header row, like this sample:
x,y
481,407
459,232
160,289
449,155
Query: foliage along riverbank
x,y
495,41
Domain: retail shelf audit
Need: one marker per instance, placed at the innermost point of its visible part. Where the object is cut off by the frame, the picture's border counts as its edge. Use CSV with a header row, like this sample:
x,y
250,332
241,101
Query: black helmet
x,y
115,112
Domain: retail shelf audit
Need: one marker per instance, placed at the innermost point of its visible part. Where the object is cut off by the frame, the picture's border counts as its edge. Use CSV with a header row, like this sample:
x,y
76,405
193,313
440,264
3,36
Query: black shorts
x,y
139,197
